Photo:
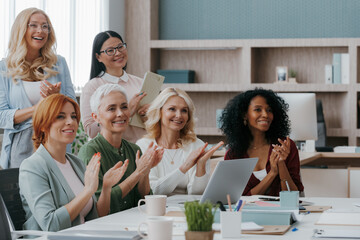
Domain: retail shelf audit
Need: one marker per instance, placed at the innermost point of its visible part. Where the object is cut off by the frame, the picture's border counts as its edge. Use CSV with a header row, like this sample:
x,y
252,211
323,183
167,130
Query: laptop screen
x,y
229,177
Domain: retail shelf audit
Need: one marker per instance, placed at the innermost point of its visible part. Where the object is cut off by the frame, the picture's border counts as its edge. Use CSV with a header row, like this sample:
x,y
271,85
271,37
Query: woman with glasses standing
x,y
30,72
108,64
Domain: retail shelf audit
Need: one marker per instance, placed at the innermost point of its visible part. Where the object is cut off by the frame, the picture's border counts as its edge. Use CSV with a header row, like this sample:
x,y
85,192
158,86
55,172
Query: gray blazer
x,y
44,192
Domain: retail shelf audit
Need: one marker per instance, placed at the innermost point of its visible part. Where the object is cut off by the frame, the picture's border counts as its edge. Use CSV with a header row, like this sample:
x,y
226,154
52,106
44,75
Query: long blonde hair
x,y
153,123
18,67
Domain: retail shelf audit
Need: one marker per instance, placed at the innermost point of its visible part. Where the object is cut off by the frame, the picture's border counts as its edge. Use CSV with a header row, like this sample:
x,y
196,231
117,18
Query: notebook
x,y
152,86
229,177
95,234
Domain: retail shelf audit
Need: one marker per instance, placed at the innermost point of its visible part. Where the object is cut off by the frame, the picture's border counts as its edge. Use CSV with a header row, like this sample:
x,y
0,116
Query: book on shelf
x,y
337,68
328,74
340,69
345,68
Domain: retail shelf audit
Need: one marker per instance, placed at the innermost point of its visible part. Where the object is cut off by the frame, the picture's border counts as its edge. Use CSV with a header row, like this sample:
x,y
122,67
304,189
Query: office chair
x,y
9,189
4,221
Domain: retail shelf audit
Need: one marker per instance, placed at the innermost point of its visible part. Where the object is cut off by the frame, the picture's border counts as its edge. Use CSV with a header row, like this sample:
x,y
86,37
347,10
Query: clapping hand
x,y
114,174
91,178
274,160
207,154
46,88
149,159
192,158
283,149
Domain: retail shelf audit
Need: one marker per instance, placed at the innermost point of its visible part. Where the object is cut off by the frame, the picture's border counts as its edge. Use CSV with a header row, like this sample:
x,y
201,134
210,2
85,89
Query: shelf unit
x,y
224,68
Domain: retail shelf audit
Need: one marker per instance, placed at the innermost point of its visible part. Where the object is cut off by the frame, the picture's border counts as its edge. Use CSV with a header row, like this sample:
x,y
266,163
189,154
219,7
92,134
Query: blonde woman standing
x,y
30,72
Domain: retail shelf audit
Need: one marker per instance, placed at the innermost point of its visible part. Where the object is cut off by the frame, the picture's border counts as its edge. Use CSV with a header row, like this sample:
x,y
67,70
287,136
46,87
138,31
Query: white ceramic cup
x,y
155,205
158,228
230,224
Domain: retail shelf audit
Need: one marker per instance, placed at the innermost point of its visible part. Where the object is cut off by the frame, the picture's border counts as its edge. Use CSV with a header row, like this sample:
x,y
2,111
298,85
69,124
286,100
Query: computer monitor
x,y
302,114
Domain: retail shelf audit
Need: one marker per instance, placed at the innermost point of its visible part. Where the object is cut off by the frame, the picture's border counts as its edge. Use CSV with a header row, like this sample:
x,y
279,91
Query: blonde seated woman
x,y
184,167
56,189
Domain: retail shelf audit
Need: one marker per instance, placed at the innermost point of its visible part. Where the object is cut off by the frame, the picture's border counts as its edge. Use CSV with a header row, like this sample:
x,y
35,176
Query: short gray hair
x,y
102,91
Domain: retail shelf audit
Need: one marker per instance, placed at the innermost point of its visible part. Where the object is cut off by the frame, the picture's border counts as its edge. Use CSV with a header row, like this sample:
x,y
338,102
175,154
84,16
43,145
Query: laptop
x,y
229,177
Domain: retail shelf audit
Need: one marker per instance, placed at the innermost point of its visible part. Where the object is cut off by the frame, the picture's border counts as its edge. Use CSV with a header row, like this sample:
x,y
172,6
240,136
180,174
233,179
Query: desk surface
x,y
132,218
330,158
316,158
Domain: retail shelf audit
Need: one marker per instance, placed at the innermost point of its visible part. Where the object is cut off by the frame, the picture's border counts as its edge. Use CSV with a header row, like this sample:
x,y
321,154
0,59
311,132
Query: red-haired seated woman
x,y
56,189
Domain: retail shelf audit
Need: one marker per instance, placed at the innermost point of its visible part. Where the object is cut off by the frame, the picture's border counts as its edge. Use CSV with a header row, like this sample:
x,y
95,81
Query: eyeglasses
x,y
44,27
112,50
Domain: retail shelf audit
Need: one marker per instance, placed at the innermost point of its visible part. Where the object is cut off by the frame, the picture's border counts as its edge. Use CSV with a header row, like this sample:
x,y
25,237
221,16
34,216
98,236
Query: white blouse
x,y
260,174
32,90
76,185
166,178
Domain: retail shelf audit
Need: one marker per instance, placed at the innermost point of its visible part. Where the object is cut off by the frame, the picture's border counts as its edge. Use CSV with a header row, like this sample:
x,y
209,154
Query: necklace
x,y
173,156
258,147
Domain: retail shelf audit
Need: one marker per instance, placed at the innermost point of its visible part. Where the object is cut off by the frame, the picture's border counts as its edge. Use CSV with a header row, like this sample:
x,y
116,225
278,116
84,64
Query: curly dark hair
x,y
238,135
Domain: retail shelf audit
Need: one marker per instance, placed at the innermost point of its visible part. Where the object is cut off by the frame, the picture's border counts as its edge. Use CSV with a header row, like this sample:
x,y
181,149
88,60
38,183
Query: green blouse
x,y
109,157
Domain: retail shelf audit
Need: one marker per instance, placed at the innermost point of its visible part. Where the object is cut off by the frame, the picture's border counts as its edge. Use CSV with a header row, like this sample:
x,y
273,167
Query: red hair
x,y
45,114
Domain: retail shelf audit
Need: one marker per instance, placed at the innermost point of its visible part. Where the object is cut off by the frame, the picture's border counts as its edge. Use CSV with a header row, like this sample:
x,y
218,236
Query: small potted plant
x,y
199,218
292,76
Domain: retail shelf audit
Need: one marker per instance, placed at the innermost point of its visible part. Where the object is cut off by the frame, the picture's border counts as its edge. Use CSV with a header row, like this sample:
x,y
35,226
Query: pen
x,y
238,205
287,185
242,205
221,206
229,201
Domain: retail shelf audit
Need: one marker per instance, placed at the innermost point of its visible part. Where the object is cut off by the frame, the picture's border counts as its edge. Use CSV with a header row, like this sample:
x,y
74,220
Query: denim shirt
x,y
13,98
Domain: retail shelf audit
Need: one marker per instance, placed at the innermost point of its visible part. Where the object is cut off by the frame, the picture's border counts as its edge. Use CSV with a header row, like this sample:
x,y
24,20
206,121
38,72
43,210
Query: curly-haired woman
x,y
30,72
256,124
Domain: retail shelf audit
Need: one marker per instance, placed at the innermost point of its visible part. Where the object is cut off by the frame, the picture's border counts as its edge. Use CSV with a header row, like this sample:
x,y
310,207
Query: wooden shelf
x,y
208,131
225,67
196,44
303,87
337,132
254,43
331,132
285,87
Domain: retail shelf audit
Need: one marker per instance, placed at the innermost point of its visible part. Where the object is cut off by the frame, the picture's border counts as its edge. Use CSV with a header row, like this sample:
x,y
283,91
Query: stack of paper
x,y
339,218
347,149
330,233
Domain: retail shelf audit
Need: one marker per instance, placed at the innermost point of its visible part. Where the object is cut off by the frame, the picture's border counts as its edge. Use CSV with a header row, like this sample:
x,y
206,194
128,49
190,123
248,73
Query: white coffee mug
x,y
158,228
155,205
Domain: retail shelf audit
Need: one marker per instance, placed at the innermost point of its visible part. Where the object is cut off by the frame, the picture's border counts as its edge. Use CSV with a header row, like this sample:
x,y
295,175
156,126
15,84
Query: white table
x,y
132,218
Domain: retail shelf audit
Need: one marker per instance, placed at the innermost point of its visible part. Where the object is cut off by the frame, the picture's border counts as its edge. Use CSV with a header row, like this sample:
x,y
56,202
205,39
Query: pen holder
x,y
230,224
289,199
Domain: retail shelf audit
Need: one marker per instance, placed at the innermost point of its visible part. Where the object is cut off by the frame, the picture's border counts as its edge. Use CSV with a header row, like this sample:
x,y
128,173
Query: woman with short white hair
x,y
170,124
110,110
